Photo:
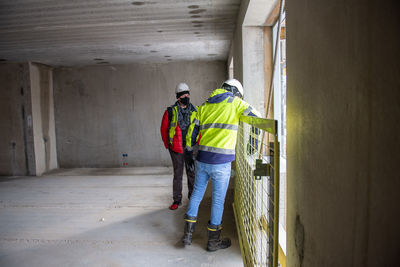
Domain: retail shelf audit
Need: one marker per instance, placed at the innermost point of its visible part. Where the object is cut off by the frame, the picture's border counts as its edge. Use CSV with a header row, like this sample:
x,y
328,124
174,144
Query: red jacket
x,y
176,145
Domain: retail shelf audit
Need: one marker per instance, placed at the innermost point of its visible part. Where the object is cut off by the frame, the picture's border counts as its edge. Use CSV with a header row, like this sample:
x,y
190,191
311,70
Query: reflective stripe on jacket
x,y
217,121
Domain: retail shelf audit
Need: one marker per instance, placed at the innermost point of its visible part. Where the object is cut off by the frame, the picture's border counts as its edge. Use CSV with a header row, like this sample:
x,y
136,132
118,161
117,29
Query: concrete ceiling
x,y
87,32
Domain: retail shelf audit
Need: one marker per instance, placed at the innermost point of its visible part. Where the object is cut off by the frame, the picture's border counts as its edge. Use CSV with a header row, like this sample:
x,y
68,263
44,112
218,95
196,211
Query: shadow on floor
x,y
131,237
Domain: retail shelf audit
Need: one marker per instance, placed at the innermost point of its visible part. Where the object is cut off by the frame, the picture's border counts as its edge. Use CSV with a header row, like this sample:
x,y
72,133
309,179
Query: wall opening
x,y
279,107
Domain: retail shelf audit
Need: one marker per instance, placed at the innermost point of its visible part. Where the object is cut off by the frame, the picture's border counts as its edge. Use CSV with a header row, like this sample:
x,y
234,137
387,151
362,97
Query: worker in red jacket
x,y
174,126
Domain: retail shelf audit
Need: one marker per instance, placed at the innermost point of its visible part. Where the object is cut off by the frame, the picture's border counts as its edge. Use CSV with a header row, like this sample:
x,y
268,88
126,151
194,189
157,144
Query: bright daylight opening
x,y
279,81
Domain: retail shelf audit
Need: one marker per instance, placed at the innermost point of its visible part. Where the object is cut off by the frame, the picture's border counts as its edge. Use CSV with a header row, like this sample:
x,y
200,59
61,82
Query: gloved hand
x,y
189,160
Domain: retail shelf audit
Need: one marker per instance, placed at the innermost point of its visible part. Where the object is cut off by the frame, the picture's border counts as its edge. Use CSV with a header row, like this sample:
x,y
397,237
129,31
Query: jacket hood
x,y
219,95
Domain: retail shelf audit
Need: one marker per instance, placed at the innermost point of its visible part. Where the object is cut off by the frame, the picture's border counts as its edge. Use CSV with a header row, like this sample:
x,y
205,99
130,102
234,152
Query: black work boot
x,y
214,241
190,222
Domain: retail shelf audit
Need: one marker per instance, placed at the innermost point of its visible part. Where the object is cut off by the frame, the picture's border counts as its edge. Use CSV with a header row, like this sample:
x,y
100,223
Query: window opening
x,y
279,100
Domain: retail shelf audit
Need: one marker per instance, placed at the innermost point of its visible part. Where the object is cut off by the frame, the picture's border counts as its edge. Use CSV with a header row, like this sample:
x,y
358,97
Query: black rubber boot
x,y
190,222
214,241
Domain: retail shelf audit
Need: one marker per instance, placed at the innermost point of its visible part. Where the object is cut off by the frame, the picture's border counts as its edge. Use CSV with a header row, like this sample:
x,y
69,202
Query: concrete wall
x,y
105,111
248,58
12,147
343,106
237,43
43,118
253,66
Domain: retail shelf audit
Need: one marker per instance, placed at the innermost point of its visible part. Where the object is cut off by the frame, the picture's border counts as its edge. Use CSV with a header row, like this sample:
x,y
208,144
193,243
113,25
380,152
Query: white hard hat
x,y
181,87
236,83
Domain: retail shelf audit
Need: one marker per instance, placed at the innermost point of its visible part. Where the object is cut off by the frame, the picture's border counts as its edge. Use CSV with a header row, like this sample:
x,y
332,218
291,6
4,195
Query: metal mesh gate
x,y
256,191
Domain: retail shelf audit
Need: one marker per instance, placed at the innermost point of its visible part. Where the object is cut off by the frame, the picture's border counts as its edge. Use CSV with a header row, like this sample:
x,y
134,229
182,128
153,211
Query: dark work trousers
x,y
178,160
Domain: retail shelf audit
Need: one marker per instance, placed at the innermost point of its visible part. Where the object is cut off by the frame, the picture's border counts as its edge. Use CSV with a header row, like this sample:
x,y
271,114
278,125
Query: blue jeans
x,y
220,175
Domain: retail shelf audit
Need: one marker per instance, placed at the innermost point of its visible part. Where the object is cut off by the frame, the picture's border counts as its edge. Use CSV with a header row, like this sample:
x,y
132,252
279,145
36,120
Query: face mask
x,y
185,101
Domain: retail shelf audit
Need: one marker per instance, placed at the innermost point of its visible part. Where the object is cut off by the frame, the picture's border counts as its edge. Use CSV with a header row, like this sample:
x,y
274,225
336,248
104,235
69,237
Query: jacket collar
x,y
190,106
219,95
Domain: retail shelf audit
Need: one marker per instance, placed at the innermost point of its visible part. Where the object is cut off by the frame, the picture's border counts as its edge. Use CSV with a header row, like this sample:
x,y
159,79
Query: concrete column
x,y
253,66
26,107
27,135
248,49
43,117
12,142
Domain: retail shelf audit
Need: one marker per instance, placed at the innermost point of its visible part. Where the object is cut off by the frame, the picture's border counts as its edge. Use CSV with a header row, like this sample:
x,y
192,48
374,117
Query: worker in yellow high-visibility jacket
x,y
216,124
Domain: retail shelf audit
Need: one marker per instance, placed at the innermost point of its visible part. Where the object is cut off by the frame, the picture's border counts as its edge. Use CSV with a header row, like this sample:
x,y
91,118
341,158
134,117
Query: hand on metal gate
x,y
252,145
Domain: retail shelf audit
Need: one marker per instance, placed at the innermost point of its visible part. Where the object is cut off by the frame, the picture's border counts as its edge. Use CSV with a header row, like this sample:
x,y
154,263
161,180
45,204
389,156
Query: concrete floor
x,y
103,217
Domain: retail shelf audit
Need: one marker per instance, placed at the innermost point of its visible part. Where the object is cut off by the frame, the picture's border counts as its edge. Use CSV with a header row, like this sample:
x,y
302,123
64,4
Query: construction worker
x,y
174,126
217,123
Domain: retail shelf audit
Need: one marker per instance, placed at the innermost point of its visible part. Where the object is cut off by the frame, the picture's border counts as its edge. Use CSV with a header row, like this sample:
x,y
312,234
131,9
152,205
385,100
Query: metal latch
x,y
262,169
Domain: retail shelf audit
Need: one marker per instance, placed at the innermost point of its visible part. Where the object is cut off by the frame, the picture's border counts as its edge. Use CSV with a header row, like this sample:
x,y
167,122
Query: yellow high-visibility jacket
x,y
216,121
